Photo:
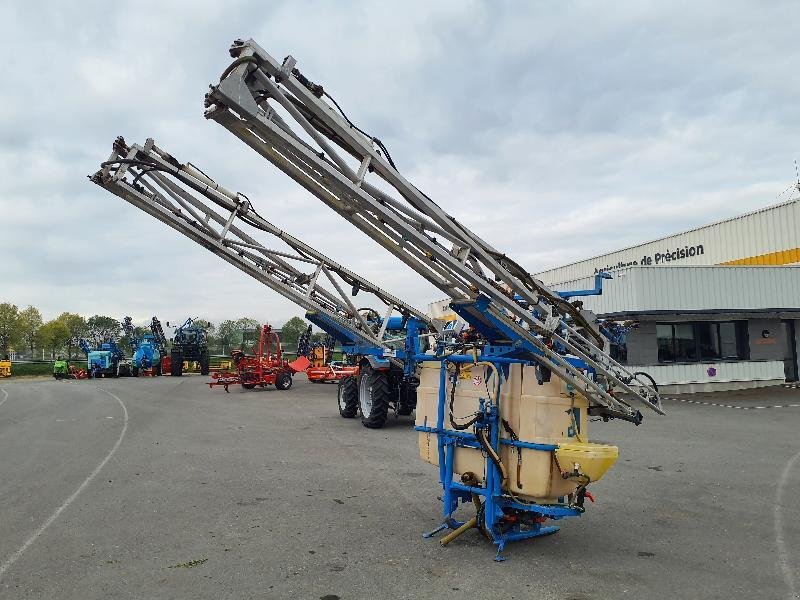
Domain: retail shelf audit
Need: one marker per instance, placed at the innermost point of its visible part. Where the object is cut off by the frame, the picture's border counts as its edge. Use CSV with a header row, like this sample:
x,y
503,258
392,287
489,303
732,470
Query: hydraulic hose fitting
x,y
236,48
119,146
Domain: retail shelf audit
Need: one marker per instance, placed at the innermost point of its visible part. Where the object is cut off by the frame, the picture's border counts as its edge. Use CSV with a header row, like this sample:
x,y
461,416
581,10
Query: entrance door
x,y
790,351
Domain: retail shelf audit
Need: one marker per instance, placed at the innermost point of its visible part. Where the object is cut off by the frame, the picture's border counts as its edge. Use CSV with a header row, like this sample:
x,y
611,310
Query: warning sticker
x,y
477,381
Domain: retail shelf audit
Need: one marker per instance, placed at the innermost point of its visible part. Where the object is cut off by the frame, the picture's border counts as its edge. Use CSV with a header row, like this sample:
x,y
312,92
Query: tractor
x,y
60,369
190,343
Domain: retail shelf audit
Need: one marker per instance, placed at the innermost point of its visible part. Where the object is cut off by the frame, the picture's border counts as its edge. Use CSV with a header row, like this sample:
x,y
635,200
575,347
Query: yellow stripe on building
x,y
781,257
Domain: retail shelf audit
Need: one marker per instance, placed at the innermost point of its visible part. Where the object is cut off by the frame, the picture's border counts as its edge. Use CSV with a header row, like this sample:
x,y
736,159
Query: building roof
x,y
693,289
768,236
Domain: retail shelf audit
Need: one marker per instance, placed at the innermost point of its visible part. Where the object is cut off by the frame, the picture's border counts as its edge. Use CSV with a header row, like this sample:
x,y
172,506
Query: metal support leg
x,y
501,544
433,532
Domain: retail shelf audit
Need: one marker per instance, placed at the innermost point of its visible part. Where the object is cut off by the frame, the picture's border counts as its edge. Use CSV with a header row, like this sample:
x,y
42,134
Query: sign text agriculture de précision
x,y
659,258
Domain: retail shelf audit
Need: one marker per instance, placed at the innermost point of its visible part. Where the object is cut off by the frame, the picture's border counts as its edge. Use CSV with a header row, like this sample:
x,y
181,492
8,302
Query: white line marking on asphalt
x,y
783,551
5,396
687,401
14,557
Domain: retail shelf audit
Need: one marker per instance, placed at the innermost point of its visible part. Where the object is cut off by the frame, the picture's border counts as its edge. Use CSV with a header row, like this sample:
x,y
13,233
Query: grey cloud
x,y
556,131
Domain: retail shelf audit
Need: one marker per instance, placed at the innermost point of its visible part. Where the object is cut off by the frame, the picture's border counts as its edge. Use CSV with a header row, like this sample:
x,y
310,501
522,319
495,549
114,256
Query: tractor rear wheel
x,y
374,394
347,396
283,381
176,366
135,371
204,363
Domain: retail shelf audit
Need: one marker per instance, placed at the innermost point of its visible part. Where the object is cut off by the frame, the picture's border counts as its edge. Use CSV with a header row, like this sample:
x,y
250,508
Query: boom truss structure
x,y
186,199
295,124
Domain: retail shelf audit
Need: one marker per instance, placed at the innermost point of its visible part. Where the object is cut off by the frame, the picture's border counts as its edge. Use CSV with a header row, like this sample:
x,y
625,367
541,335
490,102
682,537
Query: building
x,y
716,307
770,236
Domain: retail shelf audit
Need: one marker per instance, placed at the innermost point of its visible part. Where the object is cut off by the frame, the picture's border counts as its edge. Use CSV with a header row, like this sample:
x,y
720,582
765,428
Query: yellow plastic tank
x,y
592,460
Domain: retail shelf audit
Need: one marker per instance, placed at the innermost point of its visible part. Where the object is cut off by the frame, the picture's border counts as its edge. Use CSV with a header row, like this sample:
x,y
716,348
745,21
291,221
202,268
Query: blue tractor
x,y
190,343
147,349
107,360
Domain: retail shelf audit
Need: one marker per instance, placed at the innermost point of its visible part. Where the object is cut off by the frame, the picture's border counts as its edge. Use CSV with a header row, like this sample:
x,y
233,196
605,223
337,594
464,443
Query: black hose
x,y
239,61
128,161
457,426
357,128
480,435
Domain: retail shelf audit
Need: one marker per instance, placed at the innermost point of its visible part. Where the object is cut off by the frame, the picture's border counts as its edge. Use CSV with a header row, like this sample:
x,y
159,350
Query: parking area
x,y
163,488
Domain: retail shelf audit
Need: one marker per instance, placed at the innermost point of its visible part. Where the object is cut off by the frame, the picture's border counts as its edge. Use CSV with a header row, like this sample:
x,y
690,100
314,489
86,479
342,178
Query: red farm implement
x,y
331,373
265,367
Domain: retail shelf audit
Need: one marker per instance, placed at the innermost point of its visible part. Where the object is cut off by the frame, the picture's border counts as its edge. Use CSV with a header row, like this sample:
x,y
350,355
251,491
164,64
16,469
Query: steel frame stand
x,y
499,517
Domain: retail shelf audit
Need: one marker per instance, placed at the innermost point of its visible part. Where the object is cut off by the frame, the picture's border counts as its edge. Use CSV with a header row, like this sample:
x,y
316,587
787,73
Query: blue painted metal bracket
x,y
463,435
596,291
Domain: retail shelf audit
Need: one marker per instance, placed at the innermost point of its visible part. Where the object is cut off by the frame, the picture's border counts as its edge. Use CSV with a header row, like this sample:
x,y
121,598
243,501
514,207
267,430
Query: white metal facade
x,y
770,236
637,290
682,291
727,375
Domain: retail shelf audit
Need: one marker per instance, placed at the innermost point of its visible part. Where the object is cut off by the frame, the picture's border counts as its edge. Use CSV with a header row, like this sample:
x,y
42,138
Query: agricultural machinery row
x,y
148,353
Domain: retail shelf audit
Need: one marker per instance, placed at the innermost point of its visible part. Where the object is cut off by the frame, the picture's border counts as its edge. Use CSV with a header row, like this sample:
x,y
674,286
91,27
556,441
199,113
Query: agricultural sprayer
x,y
503,407
107,360
147,350
503,411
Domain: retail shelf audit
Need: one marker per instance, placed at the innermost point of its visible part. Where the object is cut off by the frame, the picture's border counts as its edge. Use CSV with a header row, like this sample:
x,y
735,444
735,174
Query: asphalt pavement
x,y
156,488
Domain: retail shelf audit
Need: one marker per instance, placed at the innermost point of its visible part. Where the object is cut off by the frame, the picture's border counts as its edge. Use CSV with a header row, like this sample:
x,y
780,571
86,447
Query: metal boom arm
x,y
190,202
281,114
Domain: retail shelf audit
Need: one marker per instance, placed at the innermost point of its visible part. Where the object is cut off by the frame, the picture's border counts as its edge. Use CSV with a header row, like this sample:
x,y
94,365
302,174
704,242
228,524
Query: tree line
x,y
24,332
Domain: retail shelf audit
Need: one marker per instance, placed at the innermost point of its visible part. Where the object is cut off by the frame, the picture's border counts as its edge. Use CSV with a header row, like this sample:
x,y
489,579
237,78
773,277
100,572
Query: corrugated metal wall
x,y
676,289
770,236
724,372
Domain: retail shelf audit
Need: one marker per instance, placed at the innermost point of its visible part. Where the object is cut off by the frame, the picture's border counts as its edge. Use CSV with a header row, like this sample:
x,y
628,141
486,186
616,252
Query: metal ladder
x,y
284,116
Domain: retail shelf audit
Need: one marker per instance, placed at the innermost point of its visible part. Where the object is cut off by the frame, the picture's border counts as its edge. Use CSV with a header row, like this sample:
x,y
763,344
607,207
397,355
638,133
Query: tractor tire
x,y
283,381
157,369
176,368
204,363
374,395
347,396
135,371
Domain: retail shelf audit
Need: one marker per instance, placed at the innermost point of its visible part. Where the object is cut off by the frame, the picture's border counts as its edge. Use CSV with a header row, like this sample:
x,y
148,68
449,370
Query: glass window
x,y
708,337
685,343
665,346
728,341
702,340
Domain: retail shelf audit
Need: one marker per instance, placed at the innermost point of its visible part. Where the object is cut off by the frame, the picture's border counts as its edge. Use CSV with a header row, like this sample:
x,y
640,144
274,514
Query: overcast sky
x,y
558,131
